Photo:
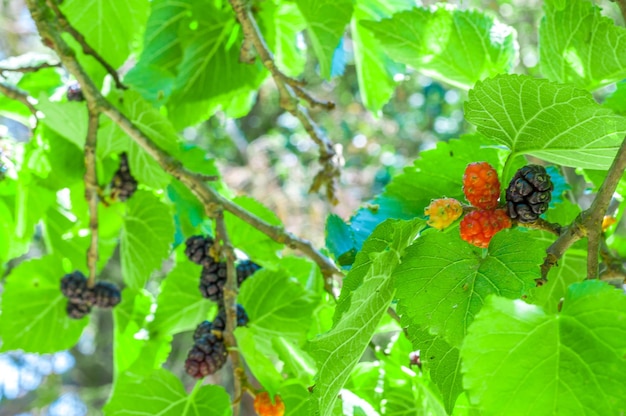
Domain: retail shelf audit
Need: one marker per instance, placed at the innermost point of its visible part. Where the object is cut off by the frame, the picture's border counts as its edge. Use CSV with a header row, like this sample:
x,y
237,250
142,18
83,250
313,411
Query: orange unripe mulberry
x,y
264,407
478,227
443,212
481,185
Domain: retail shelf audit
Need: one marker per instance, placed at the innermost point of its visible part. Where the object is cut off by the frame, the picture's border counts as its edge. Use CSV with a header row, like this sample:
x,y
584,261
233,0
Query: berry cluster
x,y
123,185
208,354
481,187
527,197
81,297
213,275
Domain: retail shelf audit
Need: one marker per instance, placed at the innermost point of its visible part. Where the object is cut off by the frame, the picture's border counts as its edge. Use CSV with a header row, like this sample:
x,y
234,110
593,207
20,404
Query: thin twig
x,y
230,306
290,90
208,196
88,50
19,95
588,223
30,68
91,193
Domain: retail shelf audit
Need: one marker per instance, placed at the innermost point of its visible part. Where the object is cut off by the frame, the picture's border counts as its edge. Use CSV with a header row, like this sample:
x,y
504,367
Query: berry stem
x,y
230,306
91,193
291,92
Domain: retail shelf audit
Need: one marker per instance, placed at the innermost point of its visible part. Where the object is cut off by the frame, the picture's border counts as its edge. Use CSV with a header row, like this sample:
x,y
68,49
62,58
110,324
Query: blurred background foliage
x,y
265,154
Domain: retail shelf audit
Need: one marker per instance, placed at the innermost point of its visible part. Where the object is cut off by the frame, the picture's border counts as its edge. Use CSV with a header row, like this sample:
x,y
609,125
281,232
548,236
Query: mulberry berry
x,y
74,287
219,323
264,406
212,281
75,92
77,310
478,227
106,295
204,328
123,184
529,193
207,355
197,250
481,185
245,269
443,212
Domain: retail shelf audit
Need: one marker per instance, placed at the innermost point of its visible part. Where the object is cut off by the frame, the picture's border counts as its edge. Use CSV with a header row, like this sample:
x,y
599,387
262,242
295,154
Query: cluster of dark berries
x,y
75,92
529,193
213,275
123,184
81,298
208,353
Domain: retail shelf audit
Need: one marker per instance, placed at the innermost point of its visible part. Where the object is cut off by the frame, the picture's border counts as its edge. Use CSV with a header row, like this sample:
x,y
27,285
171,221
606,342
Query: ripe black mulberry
x,y
245,269
529,193
207,355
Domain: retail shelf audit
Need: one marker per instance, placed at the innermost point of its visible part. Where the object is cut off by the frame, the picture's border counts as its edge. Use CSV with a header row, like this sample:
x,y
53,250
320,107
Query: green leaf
x,y
147,234
131,346
286,23
365,297
111,139
69,119
277,305
159,129
249,239
459,47
294,395
579,45
326,22
260,357
162,394
33,315
375,70
155,72
519,360
181,306
210,66
572,268
443,281
442,361
112,40
535,117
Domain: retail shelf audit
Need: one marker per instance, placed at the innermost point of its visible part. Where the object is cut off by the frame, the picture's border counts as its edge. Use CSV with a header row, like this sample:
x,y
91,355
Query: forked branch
x,y
588,223
291,92
208,196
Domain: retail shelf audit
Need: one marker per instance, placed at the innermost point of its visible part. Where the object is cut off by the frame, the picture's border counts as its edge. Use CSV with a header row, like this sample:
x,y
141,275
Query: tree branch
x,y
19,95
33,68
588,223
210,198
230,306
91,193
290,90
88,50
